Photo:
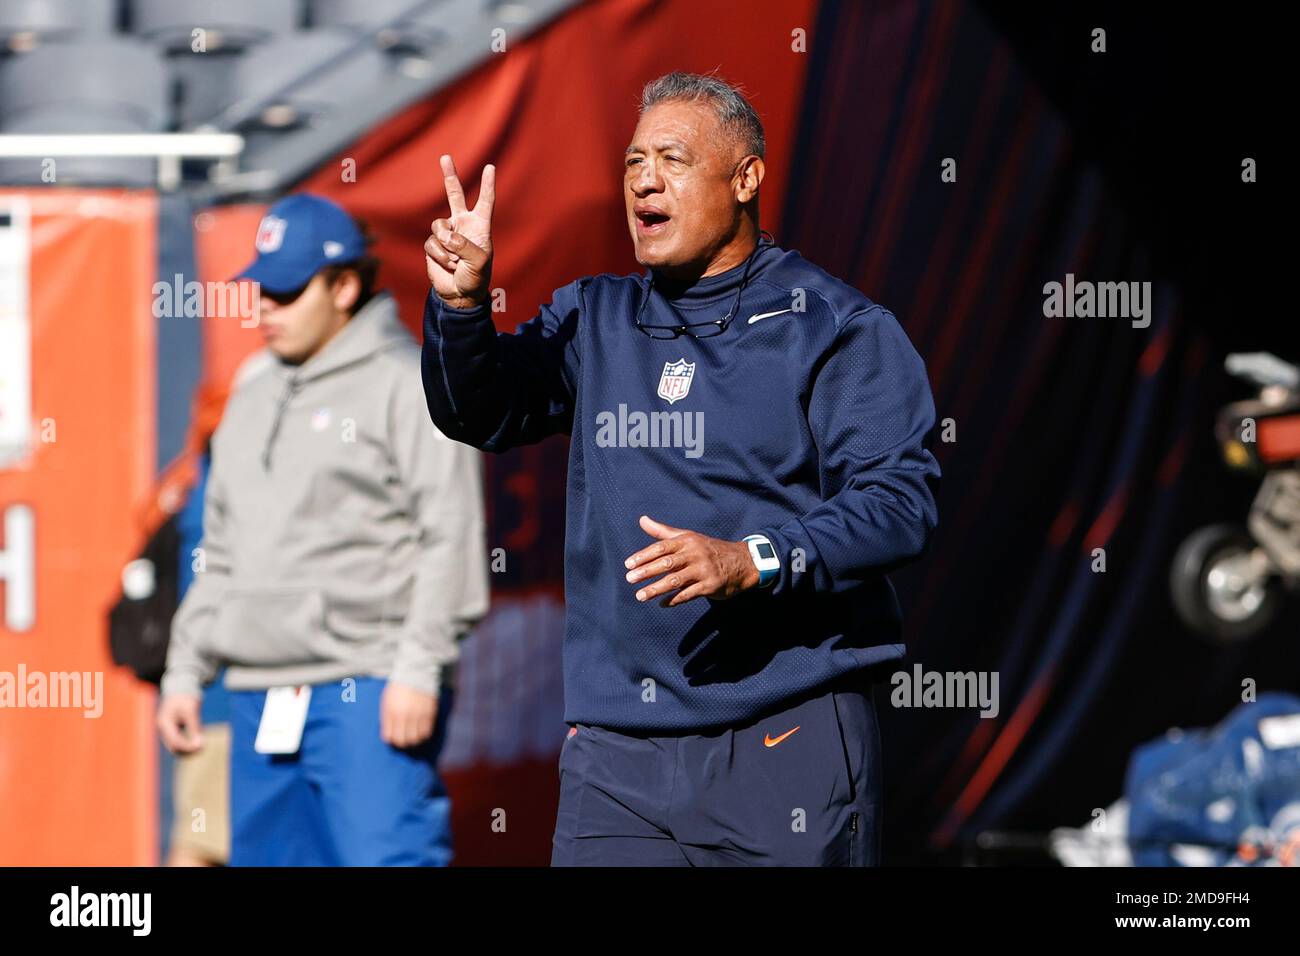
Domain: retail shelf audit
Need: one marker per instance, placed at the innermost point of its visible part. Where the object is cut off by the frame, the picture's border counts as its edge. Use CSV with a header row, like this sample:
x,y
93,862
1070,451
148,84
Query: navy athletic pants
x,y
796,787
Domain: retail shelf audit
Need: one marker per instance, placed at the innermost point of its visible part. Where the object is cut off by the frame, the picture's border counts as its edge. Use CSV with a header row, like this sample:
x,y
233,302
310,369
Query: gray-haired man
x,y
740,728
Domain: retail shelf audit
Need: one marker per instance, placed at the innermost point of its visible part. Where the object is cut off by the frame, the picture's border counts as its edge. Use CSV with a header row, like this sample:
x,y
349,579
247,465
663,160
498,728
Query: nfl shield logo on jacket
x,y
675,383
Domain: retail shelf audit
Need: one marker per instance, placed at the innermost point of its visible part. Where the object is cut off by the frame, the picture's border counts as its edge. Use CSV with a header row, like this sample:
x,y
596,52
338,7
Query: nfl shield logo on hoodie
x,y
675,382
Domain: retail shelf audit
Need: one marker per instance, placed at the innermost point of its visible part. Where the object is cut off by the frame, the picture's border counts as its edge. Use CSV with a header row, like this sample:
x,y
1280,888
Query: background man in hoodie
x,y
343,560
737,729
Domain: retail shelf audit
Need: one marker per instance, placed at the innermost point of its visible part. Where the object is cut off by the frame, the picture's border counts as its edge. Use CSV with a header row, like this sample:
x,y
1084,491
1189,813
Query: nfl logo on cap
x,y
270,234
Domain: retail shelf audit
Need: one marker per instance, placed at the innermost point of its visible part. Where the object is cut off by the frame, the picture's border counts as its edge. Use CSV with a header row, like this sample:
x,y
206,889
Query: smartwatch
x,y
765,559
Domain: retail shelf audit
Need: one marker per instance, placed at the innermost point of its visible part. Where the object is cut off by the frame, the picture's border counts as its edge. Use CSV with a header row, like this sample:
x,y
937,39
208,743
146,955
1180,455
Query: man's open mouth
x,y
651,220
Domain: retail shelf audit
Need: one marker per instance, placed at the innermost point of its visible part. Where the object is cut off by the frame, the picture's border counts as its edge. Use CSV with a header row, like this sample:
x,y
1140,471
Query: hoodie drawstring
x,y
290,389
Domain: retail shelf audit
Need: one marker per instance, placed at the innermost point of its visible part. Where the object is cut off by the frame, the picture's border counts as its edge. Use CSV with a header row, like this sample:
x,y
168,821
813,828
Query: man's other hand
x,y
692,564
178,723
406,716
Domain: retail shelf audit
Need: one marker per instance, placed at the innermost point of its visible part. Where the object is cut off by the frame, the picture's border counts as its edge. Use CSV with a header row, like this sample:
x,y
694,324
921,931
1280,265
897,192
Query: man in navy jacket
x,y
748,460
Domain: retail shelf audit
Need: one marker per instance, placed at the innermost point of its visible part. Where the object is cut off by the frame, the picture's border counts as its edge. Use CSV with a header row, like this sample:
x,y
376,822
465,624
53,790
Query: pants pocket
x,y
568,821
840,704
565,747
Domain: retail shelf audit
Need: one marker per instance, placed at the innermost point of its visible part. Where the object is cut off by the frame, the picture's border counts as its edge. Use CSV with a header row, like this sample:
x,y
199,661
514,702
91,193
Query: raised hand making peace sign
x,y
458,253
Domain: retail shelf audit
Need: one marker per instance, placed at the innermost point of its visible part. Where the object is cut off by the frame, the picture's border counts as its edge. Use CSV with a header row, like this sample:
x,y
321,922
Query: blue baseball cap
x,y
299,236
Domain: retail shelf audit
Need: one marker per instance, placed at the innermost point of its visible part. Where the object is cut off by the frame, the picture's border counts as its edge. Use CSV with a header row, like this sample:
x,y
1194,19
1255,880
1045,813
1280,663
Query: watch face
x,y
766,551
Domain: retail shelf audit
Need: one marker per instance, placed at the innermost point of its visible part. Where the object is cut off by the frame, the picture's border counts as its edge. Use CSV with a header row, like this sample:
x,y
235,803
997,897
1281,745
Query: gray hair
x,y
734,112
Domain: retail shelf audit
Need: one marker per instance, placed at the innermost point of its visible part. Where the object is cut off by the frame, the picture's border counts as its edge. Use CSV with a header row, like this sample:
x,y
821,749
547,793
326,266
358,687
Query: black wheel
x,y
1220,589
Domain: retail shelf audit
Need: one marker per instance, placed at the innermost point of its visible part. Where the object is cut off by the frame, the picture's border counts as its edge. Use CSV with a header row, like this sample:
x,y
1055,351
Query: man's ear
x,y
749,176
345,290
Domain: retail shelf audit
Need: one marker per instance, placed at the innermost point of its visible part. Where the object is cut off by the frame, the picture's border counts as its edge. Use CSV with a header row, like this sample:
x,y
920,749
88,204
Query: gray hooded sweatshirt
x,y
343,533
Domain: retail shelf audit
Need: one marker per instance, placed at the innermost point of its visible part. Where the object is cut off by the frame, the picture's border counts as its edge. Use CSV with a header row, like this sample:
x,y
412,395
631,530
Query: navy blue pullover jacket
x,y
807,420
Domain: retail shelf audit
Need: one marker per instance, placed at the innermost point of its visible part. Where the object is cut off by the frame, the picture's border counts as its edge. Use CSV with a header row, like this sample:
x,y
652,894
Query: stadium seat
x,y
228,23
334,70
206,83
117,78
409,26
363,14
24,23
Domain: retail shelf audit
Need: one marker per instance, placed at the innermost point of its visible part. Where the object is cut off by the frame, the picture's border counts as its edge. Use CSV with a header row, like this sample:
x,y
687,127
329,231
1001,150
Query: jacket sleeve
x,y
442,480
497,390
871,413
190,663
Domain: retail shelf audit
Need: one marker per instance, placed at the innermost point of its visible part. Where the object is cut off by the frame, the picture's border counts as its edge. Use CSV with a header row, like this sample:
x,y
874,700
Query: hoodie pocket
x,y
273,628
